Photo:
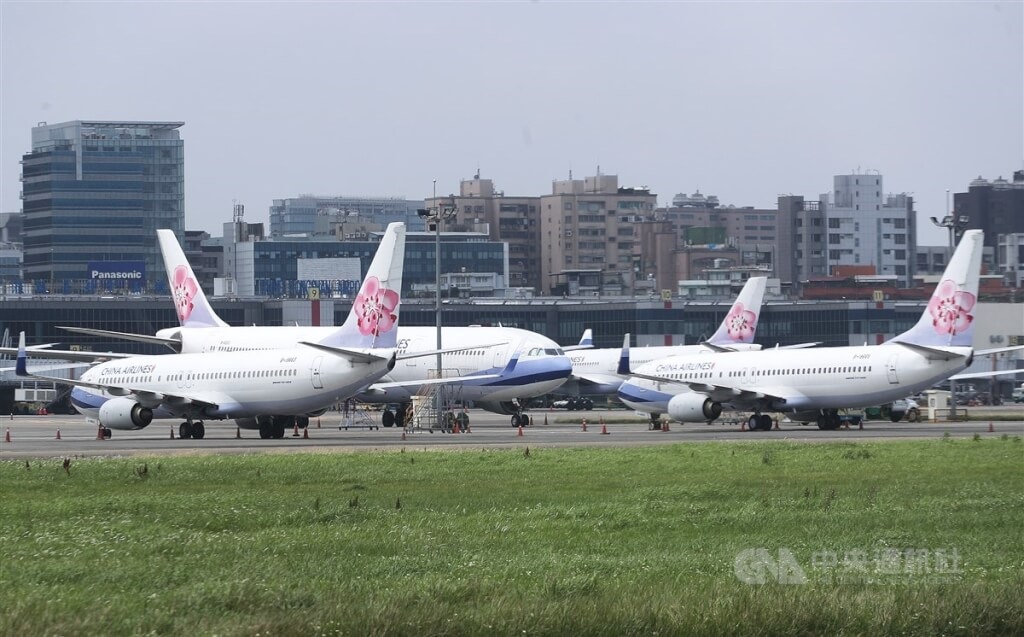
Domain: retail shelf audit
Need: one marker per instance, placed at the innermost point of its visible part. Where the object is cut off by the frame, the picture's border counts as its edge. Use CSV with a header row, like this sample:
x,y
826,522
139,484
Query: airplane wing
x,y
509,368
722,393
145,397
68,355
594,379
174,344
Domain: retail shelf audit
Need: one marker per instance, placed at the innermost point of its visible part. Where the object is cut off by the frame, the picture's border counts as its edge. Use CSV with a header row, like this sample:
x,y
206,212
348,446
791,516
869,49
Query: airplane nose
x,y
564,365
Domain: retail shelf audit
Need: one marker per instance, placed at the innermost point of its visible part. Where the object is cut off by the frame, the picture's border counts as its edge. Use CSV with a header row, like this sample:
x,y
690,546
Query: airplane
x,y
813,385
262,389
599,372
497,368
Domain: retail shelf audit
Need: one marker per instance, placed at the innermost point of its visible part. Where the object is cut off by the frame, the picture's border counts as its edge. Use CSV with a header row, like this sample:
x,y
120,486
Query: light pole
x,y
435,214
954,223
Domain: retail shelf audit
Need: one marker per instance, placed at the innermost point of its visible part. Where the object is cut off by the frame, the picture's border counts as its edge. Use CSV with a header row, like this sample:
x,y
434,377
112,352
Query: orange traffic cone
x,y
295,433
991,429
238,432
172,432
58,434
743,425
7,436
664,426
776,424
519,434
860,424
584,424
317,423
305,433
604,430
403,434
99,432
456,430
545,420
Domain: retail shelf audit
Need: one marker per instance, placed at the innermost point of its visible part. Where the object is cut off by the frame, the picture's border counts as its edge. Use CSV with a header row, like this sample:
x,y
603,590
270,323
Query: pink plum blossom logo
x,y
375,308
740,323
949,308
183,290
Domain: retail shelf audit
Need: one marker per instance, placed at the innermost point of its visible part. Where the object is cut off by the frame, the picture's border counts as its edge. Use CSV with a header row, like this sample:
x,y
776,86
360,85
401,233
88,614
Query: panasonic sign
x,y
117,270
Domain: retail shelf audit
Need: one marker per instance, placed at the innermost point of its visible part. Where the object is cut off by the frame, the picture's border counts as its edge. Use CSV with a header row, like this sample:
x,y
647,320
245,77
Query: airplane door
x,y
499,357
314,369
890,370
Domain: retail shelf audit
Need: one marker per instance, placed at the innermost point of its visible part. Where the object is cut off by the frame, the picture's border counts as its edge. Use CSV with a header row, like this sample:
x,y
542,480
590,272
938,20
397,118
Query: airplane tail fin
x,y
949,318
623,367
373,320
189,300
740,323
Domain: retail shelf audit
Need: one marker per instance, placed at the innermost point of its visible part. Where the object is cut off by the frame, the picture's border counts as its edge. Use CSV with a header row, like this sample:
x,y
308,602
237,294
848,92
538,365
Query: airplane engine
x,y
691,407
247,423
317,413
124,413
505,408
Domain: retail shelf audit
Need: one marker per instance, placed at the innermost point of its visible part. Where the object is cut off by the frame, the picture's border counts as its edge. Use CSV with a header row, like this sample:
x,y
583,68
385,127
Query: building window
x,y
833,222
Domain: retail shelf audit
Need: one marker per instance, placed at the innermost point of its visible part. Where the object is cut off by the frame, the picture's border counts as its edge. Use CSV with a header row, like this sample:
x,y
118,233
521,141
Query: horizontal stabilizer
x,y
1002,372
997,350
586,342
934,353
356,356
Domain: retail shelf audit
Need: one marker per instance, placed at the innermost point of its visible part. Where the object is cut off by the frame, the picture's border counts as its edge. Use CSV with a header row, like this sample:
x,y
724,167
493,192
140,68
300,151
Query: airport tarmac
x,y
36,436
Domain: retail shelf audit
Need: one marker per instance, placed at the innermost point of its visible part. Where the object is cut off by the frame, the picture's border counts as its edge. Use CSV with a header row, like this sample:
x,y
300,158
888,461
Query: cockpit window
x,y
553,351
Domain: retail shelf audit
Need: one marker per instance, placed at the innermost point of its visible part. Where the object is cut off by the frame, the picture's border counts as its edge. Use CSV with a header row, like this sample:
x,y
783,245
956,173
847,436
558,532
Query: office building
x,y
997,207
868,227
480,207
94,194
587,238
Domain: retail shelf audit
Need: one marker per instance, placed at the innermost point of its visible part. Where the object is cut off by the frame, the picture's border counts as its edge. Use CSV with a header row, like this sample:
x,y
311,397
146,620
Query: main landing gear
x,y
829,419
189,429
762,422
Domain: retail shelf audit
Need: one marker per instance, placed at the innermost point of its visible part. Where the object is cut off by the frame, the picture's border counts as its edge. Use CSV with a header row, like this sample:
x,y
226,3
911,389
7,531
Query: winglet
x,y
373,320
587,340
20,368
189,300
949,318
623,369
740,323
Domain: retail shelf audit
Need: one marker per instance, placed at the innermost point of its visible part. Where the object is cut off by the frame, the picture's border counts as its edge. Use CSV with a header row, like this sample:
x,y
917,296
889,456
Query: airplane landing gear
x,y
828,419
189,429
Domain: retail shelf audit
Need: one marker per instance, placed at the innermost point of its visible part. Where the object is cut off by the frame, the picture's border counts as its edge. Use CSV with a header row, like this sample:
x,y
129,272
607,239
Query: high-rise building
x,y
94,195
801,240
868,227
586,234
479,207
997,207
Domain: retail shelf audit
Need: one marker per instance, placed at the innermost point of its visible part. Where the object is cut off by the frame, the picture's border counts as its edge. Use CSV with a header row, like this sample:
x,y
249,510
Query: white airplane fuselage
x,y
541,367
790,380
297,380
595,371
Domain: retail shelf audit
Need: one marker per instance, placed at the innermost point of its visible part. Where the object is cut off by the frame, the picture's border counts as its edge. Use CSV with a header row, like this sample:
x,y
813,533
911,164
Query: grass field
x,y
869,539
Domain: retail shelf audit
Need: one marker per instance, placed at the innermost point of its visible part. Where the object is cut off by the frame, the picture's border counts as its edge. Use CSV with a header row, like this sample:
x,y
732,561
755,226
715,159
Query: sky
x,y
743,100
